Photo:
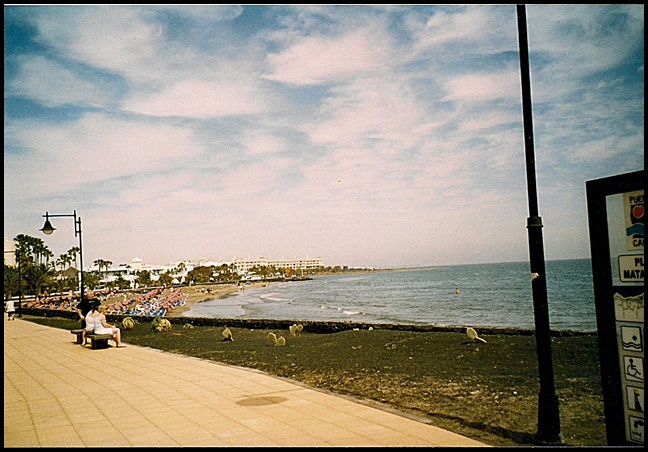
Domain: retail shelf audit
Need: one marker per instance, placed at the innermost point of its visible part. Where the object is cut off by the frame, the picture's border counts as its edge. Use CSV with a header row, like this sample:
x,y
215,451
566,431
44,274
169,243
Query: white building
x,y
180,269
244,265
9,252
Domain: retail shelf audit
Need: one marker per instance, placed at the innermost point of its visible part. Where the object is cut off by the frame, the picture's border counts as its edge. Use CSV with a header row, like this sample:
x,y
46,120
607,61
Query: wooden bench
x,y
96,340
79,335
99,340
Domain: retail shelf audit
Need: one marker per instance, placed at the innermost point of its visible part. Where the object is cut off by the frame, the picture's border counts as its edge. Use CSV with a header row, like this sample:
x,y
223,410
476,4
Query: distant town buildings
x,y
180,269
244,265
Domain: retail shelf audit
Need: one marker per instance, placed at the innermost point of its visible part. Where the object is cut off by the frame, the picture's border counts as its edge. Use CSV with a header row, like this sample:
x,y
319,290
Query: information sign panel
x,y
615,214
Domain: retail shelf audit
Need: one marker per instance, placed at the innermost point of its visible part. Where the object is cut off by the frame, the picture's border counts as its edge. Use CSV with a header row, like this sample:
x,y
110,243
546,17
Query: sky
x,y
369,136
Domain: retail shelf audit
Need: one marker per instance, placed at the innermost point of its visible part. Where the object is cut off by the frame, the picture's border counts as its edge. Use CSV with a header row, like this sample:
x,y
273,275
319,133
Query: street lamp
x,y
48,229
548,403
17,258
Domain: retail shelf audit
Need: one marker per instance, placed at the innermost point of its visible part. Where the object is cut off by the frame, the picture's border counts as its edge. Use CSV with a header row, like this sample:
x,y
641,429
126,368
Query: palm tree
x,y
100,263
70,278
166,279
60,263
32,248
29,252
228,273
73,253
37,276
121,283
181,268
39,249
63,261
91,280
144,278
10,281
47,254
107,265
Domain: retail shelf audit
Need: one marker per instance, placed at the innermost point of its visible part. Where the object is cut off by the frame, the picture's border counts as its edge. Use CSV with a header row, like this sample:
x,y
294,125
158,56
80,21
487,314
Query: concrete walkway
x,y
59,394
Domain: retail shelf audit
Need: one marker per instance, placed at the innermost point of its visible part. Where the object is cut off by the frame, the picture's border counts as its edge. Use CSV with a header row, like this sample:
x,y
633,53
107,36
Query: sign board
x,y
616,225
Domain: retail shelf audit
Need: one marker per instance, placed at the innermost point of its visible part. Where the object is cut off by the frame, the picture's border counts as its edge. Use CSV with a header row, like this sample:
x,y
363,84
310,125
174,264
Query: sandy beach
x,y
199,293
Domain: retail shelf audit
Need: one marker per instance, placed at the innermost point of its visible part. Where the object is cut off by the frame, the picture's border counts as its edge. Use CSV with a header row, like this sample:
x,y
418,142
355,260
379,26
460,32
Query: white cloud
x,y
52,84
371,109
494,118
316,60
477,29
262,144
485,87
610,148
97,148
471,24
255,179
113,38
583,39
219,132
201,13
200,99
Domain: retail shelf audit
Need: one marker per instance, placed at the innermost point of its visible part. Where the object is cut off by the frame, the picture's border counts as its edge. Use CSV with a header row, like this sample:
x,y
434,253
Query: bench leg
x,y
99,343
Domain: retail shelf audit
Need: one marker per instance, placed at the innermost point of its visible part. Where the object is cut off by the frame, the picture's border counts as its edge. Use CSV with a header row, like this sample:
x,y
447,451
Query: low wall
x,y
321,327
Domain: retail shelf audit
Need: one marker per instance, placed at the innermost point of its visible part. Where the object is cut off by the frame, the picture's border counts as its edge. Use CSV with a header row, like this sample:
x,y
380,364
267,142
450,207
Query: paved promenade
x,y
59,394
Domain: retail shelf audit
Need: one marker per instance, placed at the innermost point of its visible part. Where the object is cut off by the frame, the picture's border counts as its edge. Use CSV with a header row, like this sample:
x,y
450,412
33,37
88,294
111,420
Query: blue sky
x,y
365,135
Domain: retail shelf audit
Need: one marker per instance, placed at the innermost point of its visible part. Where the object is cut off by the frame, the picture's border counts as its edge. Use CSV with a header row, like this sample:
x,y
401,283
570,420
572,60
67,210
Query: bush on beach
x,y
161,324
128,323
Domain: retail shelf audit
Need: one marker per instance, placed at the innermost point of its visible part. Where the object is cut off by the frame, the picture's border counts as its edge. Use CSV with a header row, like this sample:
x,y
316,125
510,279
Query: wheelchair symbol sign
x,y
633,368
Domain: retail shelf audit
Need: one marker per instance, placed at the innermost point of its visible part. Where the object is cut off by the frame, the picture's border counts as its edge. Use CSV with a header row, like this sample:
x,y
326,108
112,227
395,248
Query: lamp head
x,y
48,228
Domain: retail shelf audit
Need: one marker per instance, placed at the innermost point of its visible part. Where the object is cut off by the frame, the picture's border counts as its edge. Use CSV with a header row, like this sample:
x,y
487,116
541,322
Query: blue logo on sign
x,y
636,230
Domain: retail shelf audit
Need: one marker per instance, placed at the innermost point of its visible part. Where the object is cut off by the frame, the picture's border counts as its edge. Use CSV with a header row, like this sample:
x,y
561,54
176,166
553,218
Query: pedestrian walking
x,y
11,310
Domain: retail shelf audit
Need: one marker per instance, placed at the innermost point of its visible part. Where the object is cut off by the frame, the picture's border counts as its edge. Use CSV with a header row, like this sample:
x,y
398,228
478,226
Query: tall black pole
x,y
77,228
19,284
548,406
48,229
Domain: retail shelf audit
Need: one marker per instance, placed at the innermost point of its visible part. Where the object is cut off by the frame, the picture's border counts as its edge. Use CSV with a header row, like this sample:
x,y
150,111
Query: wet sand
x,y
196,294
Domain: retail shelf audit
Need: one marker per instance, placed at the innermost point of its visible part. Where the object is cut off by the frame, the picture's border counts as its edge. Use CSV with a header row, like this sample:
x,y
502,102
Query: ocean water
x,y
491,295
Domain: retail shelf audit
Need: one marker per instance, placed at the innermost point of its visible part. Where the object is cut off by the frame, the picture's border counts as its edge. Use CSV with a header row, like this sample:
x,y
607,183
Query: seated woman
x,y
89,321
101,325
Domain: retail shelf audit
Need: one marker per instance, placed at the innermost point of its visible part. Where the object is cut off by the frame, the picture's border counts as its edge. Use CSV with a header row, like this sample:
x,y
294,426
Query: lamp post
x,y
548,404
48,229
17,258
